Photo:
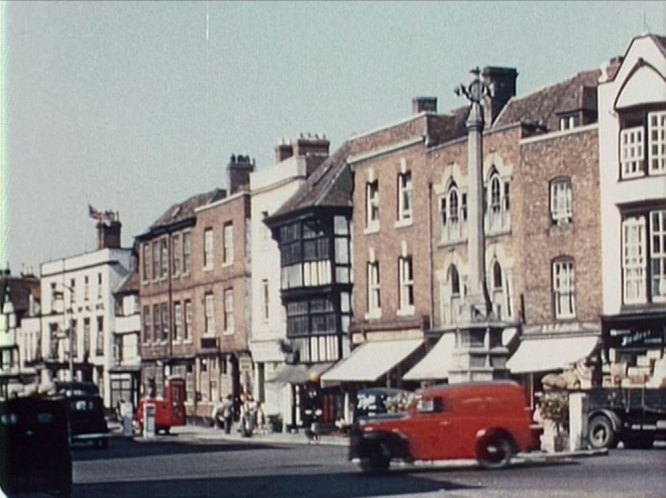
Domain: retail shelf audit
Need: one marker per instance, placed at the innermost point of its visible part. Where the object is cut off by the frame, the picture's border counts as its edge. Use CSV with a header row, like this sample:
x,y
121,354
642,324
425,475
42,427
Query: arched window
x,y
499,215
451,296
454,280
453,214
498,291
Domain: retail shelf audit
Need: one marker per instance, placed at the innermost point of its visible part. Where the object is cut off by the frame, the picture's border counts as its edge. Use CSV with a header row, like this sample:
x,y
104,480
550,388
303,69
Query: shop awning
x,y
299,374
551,353
436,363
369,361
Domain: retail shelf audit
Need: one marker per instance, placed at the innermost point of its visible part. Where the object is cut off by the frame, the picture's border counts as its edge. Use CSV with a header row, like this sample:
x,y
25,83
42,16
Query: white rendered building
x,y
270,188
78,311
632,161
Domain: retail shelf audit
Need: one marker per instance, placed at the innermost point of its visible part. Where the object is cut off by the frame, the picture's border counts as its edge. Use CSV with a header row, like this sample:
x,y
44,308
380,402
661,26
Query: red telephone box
x,y
169,409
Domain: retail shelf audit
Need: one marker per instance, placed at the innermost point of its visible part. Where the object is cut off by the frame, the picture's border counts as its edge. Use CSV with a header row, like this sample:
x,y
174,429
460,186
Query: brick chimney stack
x,y
502,81
108,231
238,173
424,104
305,145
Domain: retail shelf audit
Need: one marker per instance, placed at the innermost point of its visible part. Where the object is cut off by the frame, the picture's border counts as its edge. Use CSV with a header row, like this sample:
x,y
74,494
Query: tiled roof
x,y
19,292
184,210
130,283
329,186
542,106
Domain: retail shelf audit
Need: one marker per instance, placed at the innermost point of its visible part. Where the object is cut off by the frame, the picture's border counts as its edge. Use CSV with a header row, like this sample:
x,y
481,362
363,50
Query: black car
x,y
35,455
86,419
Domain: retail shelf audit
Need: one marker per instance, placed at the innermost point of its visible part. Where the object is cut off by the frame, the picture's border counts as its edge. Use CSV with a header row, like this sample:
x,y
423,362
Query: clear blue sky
x,y
132,107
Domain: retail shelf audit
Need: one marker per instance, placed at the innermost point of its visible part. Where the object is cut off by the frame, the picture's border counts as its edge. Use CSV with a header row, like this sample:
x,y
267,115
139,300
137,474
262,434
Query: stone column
x,y
476,300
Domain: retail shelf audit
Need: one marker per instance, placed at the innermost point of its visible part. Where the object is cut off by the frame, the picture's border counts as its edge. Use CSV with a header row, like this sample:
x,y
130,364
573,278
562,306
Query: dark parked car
x,y
86,419
34,440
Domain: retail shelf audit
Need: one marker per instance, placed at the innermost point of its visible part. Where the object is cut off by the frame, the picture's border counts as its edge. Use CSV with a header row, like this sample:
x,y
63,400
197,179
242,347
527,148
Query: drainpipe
x,y
430,258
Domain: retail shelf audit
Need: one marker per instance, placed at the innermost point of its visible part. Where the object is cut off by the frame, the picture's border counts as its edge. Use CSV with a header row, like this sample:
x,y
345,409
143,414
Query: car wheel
x,y
376,460
495,451
600,433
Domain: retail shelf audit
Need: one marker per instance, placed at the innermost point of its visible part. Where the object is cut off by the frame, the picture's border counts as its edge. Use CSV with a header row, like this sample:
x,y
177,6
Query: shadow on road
x,y
118,448
321,485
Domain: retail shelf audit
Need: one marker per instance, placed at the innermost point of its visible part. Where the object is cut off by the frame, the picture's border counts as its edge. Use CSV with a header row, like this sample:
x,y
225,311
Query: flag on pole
x,y
105,217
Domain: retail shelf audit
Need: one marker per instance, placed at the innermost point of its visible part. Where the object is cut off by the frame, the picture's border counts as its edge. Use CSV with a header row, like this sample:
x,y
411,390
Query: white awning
x,y
436,363
299,374
551,353
369,361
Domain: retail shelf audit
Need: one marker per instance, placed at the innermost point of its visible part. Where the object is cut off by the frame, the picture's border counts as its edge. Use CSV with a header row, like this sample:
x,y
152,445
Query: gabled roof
x,y
330,185
130,284
184,210
542,107
660,41
18,291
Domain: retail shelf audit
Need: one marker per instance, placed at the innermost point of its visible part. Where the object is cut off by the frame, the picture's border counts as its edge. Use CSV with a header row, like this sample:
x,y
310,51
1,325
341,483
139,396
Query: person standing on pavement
x,y
227,413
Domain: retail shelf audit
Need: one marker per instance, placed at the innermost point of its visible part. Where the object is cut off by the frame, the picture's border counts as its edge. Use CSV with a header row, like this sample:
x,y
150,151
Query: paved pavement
x,y
212,433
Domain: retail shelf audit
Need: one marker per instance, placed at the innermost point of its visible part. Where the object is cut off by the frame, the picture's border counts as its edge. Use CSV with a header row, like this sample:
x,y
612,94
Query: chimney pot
x,y
424,104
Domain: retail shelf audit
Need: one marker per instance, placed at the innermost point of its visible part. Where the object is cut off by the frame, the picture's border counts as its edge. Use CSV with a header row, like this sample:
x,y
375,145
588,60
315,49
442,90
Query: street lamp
x,y
67,326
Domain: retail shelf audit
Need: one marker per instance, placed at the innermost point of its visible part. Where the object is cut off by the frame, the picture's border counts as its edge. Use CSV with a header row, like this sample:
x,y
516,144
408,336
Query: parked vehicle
x,y
635,416
35,456
486,421
169,408
87,421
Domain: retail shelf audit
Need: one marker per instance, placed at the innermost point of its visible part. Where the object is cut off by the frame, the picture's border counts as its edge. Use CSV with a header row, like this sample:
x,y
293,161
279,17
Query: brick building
x,y
194,293
541,225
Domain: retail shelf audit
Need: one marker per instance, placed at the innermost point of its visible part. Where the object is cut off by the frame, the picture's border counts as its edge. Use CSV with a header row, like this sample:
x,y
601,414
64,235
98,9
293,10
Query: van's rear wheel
x,y
600,433
376,459
494,451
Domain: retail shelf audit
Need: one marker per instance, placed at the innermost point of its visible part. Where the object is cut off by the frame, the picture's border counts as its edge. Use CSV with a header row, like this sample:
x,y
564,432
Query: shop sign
x,y
245,364
636,338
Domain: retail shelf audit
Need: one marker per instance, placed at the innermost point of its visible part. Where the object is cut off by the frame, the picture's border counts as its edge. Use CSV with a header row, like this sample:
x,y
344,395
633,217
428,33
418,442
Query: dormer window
x,y
569,122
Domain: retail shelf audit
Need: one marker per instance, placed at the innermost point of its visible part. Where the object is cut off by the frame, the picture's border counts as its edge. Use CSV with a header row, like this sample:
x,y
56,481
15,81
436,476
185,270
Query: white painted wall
x,y
641,87
113,265
270,188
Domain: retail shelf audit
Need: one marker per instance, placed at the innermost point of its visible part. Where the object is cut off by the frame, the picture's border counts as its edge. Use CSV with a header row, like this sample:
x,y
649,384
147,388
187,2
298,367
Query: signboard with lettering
x,y
637,338
245,364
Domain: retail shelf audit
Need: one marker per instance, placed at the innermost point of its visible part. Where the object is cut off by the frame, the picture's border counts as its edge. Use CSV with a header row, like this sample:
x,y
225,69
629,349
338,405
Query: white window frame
x,y
658,256
164,258
657,142
177,322
406,284
451,297
229,311
175,255
187,324
156,260
372,205
499,291
498,215
374,289
564,291
632,152
208,249
405,196
209,314
561,206
228,244
634,260
146,258
187,252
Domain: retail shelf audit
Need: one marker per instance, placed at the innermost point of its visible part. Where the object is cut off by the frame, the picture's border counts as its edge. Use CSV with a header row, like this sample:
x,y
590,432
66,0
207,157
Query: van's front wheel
x,y
494,451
